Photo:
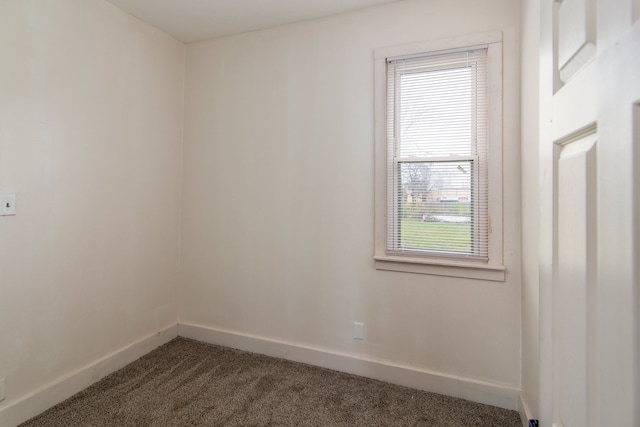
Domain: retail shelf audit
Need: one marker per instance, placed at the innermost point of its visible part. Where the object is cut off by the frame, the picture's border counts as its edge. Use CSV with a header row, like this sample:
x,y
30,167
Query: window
x,y
438,158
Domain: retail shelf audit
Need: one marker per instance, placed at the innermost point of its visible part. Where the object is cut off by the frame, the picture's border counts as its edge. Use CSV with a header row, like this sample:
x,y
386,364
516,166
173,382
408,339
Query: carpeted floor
x,y
189,383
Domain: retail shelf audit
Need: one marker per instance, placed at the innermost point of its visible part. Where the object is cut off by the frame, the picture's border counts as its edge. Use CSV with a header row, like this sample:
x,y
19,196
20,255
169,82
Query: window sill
x,y
466,270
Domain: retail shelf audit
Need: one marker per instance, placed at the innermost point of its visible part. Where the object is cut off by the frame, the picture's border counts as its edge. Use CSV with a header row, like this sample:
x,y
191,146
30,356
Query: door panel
x,y
576,29
574,293
591,353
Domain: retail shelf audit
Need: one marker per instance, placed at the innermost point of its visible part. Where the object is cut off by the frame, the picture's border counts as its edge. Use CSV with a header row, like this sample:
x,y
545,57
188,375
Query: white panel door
x,y
592,222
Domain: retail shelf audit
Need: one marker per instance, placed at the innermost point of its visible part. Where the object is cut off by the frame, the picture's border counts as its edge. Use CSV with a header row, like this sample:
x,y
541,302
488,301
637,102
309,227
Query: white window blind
x,y
437,185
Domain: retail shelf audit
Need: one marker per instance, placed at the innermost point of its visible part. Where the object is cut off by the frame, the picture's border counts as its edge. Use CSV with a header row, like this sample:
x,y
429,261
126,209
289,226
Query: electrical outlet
x,y
358,330
1,389
7,204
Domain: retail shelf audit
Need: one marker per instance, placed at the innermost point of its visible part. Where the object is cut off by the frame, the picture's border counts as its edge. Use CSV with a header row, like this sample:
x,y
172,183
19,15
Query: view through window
x,y
437,193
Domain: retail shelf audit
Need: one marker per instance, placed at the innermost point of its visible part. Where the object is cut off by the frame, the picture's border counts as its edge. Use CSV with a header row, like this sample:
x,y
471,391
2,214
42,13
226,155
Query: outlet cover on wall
x,y
358,330
7,204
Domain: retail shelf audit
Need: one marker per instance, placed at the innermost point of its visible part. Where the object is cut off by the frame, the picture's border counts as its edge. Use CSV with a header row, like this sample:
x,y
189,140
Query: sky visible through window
x,y
435,120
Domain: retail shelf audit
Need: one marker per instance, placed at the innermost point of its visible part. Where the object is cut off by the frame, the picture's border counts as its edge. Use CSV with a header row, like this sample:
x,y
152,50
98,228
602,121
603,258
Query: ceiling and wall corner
x,y
197,20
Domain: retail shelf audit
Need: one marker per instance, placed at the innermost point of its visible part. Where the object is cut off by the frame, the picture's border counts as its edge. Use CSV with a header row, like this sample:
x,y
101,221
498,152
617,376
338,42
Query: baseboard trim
x,y
525,410
474,390
66,386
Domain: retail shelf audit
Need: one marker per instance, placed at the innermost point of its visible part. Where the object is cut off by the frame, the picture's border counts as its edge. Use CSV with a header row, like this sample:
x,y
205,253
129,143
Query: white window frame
x,y
493,268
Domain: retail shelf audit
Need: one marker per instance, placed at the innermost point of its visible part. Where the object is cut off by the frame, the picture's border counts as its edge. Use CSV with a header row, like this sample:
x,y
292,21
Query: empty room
x,y
394,212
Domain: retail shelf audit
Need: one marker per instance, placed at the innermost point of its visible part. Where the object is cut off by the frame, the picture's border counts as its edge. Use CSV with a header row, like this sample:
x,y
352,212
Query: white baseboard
x,y
66,386
525,410
477,391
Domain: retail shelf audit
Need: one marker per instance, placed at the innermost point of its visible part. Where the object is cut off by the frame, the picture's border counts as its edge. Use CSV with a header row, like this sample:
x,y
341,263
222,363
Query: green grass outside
x,y
416,234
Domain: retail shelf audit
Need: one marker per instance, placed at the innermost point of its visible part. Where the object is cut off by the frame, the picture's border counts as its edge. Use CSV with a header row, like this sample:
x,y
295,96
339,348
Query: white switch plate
x,y
358,330
1,389
7,204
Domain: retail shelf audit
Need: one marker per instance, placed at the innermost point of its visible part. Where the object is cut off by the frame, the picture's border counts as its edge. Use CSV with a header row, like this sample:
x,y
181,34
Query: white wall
x,y
90,142
530,205
277,234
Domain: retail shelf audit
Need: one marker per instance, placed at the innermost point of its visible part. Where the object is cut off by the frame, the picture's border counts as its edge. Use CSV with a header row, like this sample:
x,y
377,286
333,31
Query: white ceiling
x,y
194,20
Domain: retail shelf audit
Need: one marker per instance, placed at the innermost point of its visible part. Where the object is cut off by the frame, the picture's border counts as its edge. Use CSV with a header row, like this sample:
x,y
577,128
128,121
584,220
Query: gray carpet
x,y
189,383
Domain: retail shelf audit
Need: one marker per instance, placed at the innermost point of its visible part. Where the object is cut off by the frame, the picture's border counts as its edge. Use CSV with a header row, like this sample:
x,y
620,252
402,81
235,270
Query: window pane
x,y
436,113
436,155
435,206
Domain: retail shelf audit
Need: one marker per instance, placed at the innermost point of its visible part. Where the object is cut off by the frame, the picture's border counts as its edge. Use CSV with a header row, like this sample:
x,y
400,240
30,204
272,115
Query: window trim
x,y
493,269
